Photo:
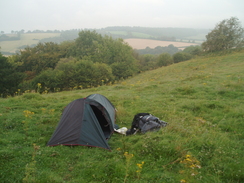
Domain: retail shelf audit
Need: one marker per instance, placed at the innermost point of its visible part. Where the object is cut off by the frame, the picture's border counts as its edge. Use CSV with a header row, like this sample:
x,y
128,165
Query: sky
x,y
85,14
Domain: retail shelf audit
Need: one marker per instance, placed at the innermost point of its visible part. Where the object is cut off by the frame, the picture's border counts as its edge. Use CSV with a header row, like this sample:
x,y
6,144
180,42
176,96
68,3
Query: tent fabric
x,y
88,121
106,104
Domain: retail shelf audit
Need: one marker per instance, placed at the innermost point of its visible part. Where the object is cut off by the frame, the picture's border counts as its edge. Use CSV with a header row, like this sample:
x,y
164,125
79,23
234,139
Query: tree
x,y
226,35
38,58
181,56
86,45
147,62
10,79
164,59
193,50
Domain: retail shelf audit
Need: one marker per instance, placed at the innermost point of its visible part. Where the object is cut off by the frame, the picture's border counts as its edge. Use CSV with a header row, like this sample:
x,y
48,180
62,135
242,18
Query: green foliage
x,y
86,44
114,52
9,78
72,73
193,50
38,58
181,56
164,59
159,49
91,60
123,70
147,62
226,35
50,80
201,100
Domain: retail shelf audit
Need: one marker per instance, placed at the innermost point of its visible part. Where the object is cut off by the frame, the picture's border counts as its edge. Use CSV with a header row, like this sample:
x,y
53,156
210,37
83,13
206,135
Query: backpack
x,y
145,122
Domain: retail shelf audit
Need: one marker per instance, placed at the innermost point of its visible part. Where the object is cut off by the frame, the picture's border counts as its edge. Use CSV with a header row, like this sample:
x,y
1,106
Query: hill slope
x,y
201,100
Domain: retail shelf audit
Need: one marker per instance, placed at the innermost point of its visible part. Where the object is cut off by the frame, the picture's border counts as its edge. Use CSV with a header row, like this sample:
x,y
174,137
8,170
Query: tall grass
x,y
201,99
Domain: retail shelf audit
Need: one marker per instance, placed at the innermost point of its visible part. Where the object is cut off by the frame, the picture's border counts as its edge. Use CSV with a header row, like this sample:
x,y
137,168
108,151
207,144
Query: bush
x,y
193,50
164,59
181,56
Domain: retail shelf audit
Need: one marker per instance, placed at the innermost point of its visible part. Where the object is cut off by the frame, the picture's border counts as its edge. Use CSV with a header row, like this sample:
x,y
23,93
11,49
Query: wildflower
x,y
140,164
118,149
51,111
182,181
128,156
28,113
188,159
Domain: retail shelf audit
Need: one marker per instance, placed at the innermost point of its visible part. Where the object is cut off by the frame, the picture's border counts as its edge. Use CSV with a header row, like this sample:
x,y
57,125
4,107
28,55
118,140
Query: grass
x,y
201,99
25,39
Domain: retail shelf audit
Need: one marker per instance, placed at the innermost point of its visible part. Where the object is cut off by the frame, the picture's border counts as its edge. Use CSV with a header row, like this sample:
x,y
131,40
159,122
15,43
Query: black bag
x,y
145,122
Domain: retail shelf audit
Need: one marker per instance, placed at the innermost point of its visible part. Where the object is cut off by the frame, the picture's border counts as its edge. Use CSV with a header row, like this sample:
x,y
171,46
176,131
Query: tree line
x,y
93,60
90,60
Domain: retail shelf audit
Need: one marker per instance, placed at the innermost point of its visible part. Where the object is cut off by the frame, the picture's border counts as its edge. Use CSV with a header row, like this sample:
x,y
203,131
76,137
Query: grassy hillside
x,y
201,99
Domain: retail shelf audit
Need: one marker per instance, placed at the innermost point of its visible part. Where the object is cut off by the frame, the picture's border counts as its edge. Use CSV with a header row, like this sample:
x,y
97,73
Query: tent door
x,y
102,121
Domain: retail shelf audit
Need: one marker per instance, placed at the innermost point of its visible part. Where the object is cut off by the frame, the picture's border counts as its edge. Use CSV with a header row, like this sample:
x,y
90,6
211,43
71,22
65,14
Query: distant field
x,y
198,37
136,43
26,39
136,34
143,43
118,32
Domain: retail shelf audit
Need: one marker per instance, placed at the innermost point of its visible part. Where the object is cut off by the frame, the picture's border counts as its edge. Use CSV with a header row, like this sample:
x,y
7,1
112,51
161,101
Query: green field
x,y
199,37
135,34
25,39
201,99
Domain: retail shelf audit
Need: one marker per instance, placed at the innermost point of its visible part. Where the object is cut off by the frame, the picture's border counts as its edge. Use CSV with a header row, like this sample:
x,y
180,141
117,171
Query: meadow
x,y
201,99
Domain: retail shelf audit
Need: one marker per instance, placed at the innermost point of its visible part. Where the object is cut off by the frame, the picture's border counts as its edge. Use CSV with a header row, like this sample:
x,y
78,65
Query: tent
x,y
87,122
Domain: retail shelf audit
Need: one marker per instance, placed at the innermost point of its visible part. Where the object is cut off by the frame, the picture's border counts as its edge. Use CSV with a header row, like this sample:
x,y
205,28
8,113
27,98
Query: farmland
x,y
25,39
143,43
136,37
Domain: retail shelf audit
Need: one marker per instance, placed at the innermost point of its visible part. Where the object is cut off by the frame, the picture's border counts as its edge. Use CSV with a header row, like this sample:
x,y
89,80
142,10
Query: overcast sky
x,y
79,14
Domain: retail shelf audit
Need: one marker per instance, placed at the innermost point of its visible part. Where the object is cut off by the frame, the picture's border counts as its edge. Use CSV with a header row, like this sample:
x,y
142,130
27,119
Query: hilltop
x,y
201,99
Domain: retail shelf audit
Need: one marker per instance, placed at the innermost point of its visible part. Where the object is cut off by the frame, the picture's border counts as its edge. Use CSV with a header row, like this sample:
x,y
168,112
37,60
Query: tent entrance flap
x,y
102,121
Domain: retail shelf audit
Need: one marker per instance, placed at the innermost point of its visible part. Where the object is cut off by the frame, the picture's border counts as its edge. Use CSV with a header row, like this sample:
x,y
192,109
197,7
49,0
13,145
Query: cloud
x,y
64,14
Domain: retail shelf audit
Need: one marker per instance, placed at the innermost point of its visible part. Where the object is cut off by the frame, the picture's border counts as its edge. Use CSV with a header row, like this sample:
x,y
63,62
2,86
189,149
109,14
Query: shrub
x,y
181,56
